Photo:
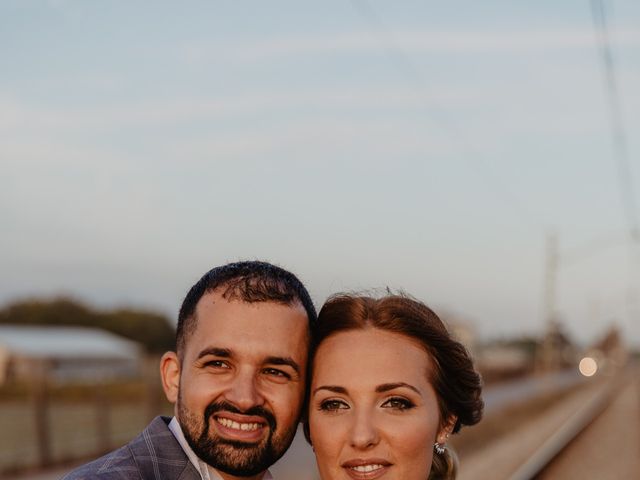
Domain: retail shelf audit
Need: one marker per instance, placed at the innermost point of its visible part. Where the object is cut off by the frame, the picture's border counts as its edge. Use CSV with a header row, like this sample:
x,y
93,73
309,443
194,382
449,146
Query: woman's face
x,y
373,412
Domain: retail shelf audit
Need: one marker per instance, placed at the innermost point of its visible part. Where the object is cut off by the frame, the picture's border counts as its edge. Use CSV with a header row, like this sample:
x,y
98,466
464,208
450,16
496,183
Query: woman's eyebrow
x,y
331,388
385,387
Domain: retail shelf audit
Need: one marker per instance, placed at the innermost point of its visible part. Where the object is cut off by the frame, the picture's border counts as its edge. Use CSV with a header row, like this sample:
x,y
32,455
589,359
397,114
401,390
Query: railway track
x,y
609,446
578,426
593,434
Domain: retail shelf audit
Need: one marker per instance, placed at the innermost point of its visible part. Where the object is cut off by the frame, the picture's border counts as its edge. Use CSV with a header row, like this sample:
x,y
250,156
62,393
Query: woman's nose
x,y
364,432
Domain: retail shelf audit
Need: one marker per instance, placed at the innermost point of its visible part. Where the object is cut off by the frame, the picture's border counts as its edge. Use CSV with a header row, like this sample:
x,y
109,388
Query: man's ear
x,y
170,374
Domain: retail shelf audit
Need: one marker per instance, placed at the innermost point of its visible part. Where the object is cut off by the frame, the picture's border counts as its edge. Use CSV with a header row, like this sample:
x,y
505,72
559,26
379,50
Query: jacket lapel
x,y
159,455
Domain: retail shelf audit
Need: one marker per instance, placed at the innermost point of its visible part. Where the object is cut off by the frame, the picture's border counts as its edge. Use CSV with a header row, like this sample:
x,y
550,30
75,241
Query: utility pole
x,y
547,359
551,273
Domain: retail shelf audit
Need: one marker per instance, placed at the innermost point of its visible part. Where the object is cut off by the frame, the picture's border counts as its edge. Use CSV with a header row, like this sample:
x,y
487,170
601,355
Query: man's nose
x,y
244,392
364,432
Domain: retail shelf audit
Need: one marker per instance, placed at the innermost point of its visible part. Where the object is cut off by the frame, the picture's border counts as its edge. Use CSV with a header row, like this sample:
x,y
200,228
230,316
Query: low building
x,y
66,354
505,358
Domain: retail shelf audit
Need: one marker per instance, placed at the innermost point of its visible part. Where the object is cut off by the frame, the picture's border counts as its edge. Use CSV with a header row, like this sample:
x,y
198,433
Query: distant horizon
x,y
450,318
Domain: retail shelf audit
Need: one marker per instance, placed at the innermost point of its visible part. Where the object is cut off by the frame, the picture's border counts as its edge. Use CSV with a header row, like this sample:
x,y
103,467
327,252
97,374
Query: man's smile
x,y
244,428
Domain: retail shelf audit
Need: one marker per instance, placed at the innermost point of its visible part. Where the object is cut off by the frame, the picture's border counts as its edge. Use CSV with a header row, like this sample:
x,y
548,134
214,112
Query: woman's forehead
x,y
371,353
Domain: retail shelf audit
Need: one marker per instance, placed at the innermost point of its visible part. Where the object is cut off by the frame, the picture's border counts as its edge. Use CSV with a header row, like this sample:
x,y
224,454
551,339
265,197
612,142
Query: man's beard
x,y
234,457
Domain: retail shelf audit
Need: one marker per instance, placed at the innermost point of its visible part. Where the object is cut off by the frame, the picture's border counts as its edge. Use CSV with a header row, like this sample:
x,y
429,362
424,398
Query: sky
x,y
425,146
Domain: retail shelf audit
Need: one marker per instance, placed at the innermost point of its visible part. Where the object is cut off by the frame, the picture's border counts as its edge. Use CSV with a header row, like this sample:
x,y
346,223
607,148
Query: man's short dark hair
x,y
248,281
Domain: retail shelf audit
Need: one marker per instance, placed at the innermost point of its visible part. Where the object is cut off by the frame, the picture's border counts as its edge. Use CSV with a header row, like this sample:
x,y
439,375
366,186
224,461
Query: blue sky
x,y
430,150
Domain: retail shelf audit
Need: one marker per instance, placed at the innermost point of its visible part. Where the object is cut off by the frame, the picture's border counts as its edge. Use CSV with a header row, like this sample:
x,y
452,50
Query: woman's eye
x,y
398,403
333,405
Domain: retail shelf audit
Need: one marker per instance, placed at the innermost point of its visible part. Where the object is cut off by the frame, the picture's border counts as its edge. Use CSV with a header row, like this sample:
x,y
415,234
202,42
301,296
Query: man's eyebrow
x,y
216,352
283,361
331,388
385,387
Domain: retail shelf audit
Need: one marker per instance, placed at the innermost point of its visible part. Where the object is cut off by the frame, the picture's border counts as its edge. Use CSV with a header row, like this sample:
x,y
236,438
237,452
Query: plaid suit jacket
x,y
155,454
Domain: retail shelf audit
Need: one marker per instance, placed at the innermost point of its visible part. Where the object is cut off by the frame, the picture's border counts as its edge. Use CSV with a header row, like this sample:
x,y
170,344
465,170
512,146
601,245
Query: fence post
x,y
103,418
40,398
151,372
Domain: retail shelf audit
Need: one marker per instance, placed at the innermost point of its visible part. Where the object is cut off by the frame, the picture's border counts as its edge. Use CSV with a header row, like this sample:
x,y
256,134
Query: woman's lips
x,y
366,468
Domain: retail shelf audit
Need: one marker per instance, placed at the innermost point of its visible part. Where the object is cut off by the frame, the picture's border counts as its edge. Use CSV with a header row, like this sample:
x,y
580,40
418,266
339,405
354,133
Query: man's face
x,y
241,382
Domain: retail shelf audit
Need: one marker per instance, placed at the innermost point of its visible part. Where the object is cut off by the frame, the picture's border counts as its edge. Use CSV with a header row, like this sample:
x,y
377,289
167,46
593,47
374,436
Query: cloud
x,y
15,114
414,42
22,118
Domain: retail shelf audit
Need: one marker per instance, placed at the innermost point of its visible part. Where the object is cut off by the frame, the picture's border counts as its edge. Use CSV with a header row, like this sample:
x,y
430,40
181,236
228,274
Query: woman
x,y
388,387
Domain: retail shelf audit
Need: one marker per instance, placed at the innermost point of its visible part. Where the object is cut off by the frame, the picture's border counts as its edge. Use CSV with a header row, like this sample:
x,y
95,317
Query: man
x,y
237,381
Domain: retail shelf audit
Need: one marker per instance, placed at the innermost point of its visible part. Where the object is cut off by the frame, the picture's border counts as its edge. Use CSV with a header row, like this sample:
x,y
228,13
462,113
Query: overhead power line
x,y
618,132
620,150
405,66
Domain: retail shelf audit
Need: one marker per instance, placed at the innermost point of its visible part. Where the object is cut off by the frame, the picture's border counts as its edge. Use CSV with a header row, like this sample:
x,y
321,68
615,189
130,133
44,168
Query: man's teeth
x,y
367,468
225,422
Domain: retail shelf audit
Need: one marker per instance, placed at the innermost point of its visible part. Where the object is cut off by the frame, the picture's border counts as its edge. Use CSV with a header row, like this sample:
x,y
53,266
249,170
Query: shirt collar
x,y
206,471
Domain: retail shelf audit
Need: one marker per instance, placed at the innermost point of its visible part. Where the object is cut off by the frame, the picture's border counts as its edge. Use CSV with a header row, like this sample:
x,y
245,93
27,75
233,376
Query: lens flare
x,y
588,367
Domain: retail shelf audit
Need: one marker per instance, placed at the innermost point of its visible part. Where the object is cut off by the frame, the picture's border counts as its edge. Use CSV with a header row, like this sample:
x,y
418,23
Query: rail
x,y
567,432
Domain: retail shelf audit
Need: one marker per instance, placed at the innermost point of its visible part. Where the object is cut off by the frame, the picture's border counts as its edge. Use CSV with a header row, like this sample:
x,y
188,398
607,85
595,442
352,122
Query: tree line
x,y
151,329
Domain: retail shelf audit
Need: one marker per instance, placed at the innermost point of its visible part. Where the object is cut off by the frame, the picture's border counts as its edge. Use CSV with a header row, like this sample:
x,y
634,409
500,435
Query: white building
x,y
66,354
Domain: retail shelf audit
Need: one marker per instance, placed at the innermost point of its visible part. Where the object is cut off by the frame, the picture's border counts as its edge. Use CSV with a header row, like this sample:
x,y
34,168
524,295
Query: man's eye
x,y
398,403
276,373
333,405
216,364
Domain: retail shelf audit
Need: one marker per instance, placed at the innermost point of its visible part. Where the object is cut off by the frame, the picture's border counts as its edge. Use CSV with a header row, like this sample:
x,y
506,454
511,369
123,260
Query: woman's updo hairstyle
x,y
454,379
